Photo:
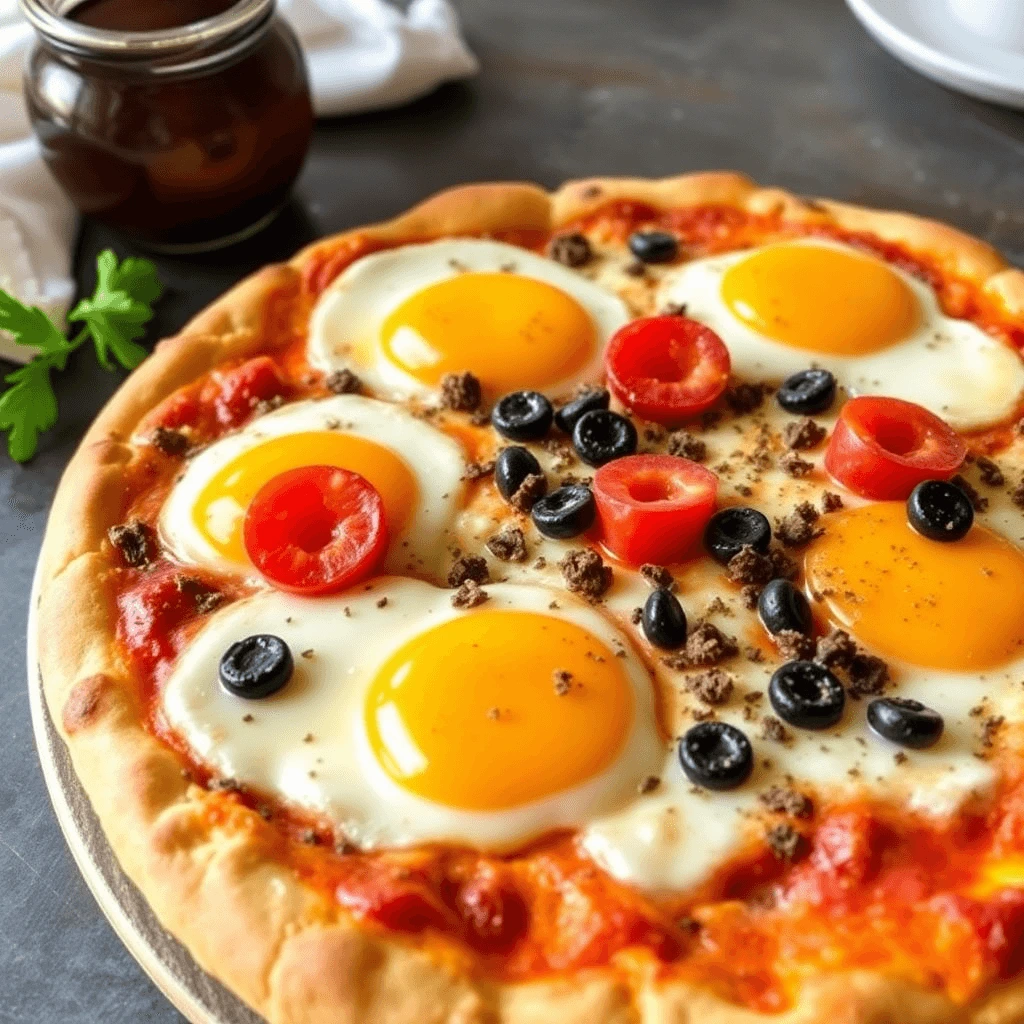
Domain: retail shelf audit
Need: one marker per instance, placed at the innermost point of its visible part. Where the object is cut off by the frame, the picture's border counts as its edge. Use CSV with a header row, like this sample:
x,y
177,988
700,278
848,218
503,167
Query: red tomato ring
x,y
653,508
316,529
882,448
666,368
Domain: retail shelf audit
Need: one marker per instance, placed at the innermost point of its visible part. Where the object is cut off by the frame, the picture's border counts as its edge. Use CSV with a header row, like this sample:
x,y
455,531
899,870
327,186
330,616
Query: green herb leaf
x,y
30,325
30,406
114,316
120,308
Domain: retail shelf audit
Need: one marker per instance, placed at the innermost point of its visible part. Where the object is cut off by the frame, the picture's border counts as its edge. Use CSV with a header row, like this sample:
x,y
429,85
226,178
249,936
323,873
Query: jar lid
x,y
190,47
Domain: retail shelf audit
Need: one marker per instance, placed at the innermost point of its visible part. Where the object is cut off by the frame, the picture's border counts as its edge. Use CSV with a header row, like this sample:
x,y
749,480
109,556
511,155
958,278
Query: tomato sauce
x,y
871,886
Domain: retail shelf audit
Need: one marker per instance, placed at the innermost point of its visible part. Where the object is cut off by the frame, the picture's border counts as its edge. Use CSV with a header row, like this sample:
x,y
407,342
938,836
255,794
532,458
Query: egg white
x,y
435,461
951,367
345,327
307,743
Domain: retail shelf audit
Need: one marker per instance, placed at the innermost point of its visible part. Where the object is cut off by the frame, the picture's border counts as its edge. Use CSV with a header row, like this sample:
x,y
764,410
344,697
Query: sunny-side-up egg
x,y
415,467
947,619
404,318
782,307
406,720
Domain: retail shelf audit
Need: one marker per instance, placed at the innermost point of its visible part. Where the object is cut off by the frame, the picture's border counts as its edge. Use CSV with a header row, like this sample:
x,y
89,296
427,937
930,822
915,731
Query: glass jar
x,y
186,135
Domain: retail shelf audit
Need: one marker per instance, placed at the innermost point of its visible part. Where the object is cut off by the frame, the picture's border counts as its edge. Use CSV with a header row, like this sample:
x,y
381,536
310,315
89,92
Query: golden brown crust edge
x,y
248,921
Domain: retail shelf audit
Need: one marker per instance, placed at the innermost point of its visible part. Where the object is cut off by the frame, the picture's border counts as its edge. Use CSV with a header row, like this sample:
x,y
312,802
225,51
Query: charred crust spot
x,y
170,442
508,544
571,250
468,567
585,573
460,392
343,382
135,542
534,486
802,435
684,445
85,702
469,595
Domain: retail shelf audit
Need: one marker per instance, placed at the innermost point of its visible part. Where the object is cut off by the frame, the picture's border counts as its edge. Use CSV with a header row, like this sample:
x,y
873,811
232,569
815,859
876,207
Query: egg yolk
x,y
510,331
821,299
475,713
941,605
220,510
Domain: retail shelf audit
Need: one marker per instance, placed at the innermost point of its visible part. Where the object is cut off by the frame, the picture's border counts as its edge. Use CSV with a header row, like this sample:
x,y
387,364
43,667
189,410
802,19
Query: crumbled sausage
x,y
136,543
705,646
170,442
743,398
748,566
508,544
836,650
797,529
990,473
749,595
343,382
572,250
783,567
802,435
563,681
713,686
791,464
657,576
648,784
686,446
793,645
990,728
867,674
830,502
460,392
772,729
783,800
469,595
977,501
478,470
1017,495
585,573
534,486
205,597
468,567
784,841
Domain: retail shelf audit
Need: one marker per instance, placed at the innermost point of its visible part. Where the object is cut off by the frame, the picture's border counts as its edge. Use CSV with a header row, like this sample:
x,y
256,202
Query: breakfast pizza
x,y
600,606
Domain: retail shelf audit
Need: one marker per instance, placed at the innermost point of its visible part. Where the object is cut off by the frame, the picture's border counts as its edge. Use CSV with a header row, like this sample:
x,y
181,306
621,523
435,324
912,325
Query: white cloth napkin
x,y
362,55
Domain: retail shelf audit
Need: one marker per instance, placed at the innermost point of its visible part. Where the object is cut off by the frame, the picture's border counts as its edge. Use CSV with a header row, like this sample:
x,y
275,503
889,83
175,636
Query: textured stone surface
x,y
789,91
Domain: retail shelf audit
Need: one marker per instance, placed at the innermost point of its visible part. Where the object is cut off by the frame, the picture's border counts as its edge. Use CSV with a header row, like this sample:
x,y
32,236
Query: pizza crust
x,y
278,944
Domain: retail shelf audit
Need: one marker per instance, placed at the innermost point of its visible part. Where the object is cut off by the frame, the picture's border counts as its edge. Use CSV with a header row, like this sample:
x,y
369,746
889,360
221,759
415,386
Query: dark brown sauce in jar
x,y
183,123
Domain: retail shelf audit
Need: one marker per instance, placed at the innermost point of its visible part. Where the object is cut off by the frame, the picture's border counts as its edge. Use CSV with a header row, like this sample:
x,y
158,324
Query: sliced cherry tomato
x,y
666,368
653,508
316,529
882,448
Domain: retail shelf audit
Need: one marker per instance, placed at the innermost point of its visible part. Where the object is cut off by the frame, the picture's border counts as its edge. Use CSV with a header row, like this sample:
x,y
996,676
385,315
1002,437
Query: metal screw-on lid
x,y
187,48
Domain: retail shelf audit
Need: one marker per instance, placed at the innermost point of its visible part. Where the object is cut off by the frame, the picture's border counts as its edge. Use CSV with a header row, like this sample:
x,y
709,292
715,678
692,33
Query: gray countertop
x,y
789,91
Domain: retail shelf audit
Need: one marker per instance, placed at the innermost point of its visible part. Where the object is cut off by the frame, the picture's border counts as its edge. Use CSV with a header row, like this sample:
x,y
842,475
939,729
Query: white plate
x,y
926,35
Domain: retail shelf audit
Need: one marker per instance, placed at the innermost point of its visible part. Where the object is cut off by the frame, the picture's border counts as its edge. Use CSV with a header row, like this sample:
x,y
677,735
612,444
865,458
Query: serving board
x,y
200,998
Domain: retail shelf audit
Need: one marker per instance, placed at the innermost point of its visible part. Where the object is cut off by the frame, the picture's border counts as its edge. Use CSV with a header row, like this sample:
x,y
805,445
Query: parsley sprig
x,y
113,317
